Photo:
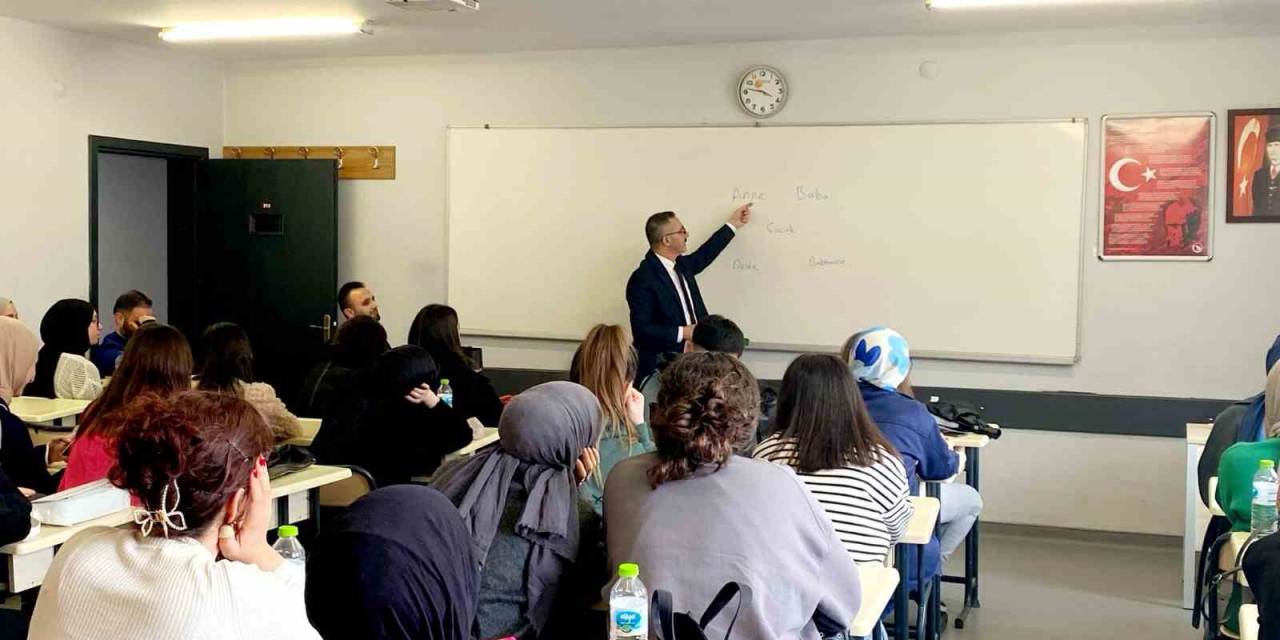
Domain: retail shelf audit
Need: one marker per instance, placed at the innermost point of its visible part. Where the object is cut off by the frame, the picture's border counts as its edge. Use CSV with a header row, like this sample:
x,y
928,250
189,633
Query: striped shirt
x,y
867,505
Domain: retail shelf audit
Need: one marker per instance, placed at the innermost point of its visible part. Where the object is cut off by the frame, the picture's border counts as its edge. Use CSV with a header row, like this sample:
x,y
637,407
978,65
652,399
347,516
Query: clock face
x,y
762,91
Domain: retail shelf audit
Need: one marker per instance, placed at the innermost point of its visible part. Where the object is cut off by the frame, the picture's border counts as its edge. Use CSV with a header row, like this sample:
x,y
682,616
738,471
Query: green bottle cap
x,y
444,381
628,570
287,531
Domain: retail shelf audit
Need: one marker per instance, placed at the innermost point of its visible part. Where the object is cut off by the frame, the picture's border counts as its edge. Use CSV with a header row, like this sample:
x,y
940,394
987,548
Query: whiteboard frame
x,y
805,348
1210,202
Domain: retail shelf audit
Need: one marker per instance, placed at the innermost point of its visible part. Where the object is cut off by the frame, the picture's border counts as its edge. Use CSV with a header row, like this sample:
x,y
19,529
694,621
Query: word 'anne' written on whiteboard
x,y
801,193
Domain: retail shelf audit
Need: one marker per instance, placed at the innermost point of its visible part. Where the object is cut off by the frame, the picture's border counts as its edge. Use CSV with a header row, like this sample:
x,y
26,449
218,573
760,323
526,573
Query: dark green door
x,y
266,258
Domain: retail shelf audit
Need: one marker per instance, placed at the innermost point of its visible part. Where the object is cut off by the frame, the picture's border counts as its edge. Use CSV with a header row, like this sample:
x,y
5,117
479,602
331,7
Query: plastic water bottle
x,y
628,606
1265,485
446,392
288,546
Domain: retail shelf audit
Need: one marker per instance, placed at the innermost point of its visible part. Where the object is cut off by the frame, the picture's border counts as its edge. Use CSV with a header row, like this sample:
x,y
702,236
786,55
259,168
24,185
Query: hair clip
x,y
163,516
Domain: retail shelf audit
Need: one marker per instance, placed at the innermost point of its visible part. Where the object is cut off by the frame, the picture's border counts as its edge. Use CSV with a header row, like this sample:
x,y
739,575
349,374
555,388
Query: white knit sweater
x,y
114,584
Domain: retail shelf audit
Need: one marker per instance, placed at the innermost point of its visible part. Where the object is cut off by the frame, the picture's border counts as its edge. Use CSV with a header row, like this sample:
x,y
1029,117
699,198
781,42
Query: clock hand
x,y
759,91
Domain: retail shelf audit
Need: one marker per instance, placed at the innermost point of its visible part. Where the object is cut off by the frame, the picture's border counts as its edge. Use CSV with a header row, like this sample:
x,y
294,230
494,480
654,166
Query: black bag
x,y
666,624
288,458
962,417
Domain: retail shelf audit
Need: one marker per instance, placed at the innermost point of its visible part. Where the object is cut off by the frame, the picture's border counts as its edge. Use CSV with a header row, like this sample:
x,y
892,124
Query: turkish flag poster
x,y
1157,179
1253,178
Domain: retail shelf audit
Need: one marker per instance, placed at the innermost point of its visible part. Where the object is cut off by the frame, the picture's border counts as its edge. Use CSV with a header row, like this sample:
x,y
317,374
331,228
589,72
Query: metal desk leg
x,y
972,474
901,615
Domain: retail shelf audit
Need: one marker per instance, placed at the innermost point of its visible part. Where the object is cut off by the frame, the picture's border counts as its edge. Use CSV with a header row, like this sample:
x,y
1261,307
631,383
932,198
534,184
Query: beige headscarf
x,y
18,349
1272,401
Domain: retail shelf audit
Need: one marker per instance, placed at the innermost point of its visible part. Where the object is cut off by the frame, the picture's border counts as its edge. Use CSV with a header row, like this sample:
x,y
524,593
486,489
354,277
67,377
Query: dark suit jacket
x,y
656,310
1266,192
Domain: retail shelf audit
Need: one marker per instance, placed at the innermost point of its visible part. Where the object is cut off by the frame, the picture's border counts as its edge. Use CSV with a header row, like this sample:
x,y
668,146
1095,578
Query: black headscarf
x,y
64,329
396,565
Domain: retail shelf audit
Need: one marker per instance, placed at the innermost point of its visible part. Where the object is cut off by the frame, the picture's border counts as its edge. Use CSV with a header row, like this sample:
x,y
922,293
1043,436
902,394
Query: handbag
x,y
666,624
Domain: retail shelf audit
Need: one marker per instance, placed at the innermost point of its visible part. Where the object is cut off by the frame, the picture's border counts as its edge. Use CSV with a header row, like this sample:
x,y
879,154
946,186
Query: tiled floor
x,y
1039,585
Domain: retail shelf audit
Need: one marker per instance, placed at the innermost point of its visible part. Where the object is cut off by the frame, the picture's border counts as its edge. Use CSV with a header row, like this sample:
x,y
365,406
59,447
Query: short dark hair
x,y
130,300
228,357
345,292
653,226
719,334
821,407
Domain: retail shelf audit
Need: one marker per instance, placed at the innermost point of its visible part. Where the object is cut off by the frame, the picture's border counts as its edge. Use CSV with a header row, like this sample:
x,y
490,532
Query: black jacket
x,y
656,309
22,461
473,394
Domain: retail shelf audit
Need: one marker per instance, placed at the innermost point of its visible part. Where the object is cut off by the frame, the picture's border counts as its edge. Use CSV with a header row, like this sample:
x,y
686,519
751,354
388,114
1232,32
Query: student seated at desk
x,y
228,368
695,516
25,464
392,424
15,524
435,329
197,565
881,361
156,361
425,585
1240,422
605,363
359,342
132,310
826,436
68,330
535,540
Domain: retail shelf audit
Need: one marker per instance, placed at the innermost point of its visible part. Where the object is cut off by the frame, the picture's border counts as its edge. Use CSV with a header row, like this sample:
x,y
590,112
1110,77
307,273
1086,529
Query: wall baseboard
x,y
1081,535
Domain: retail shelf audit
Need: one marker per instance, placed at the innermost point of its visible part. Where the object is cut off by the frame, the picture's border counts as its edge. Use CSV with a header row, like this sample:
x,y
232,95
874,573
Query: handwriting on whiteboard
x,y
825,262
747,195
810,193
779,228
744,265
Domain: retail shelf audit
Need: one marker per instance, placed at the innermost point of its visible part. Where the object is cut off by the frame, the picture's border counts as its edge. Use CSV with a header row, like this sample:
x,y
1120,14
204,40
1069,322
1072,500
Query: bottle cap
x,y
628,570
444,381
287,531
1266,464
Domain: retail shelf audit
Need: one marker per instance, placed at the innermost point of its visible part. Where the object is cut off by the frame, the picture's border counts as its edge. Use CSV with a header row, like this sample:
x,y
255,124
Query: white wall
x,y
56,89
1148,328
132,204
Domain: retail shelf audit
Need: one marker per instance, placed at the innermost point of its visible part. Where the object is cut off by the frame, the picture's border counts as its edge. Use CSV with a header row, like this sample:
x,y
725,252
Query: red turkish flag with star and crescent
x,y
1248,152
1155,181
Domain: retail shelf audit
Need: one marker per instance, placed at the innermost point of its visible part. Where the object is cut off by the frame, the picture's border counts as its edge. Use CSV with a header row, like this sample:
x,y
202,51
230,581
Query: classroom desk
x,y
1196,515
878,586
919,531
972,443
296,499
1249,622
310,427
47,411
1231,551
490,437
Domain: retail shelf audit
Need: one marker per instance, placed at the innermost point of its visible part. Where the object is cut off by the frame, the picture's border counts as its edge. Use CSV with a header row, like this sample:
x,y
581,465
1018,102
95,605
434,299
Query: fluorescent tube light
x,y
255,29
1005,4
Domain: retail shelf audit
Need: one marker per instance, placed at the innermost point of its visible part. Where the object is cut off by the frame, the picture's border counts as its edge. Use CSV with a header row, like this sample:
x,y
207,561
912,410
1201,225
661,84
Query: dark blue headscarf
x,y
1251,427
396,565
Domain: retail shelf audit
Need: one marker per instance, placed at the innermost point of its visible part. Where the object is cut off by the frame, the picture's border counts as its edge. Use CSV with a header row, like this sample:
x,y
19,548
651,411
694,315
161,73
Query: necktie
x,y
686,300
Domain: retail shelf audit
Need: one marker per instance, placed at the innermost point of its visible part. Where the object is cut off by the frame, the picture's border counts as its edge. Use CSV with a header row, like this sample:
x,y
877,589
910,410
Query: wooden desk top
x,y
52,536
878,585
310,427
46,409
967,440
920,526
490,436
1198,432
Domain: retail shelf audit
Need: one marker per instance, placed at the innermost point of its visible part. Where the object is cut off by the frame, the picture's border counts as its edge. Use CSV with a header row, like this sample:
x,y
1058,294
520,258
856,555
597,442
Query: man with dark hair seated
x,y
132,310
356,299
713,333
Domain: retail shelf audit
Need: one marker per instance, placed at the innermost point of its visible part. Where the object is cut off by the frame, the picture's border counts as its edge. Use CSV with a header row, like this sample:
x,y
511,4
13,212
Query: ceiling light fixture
x,y
1005,4
256,29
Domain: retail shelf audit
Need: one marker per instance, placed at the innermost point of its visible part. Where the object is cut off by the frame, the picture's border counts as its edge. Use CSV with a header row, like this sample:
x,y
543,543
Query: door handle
x,y
326,327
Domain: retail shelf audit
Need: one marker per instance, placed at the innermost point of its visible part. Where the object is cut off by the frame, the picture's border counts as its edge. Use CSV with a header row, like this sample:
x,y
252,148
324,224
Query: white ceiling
x,y
513,25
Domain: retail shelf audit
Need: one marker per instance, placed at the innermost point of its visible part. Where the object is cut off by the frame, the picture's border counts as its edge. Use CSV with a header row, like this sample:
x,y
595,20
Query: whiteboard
x,y
963,236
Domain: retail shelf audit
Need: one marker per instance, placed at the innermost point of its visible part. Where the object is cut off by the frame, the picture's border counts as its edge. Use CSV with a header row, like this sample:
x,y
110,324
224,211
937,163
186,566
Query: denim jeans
x,y
961,505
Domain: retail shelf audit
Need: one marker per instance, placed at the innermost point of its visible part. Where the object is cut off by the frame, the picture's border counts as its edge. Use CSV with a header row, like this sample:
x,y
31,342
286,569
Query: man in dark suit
x,y
1266,180
662,292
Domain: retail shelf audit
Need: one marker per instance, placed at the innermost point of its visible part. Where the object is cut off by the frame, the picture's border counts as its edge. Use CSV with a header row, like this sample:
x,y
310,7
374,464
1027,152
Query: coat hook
x,y
374,151
271,153
304,152
338,153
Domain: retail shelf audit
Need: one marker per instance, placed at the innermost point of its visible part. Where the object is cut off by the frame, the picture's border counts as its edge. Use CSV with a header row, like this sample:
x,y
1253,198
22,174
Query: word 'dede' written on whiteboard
x,y
802,193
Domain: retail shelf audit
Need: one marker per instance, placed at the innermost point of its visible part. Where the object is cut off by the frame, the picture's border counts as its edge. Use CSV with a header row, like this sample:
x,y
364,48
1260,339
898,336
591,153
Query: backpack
x,y
958,416
666,624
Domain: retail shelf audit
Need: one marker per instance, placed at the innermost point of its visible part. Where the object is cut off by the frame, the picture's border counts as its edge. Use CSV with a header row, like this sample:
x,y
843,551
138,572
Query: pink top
x,y
91,458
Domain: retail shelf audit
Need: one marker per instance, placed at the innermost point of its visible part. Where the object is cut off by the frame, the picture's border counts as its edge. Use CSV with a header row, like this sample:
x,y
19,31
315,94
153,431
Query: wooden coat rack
x,y
355,162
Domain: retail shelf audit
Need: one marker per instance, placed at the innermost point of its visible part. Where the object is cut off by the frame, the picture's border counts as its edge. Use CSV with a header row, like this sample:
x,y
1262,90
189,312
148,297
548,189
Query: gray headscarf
x,y
542,432
1272,400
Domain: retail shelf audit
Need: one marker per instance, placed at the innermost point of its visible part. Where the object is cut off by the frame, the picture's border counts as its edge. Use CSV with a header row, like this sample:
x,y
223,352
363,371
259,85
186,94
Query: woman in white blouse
x,y
68,329
197,565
